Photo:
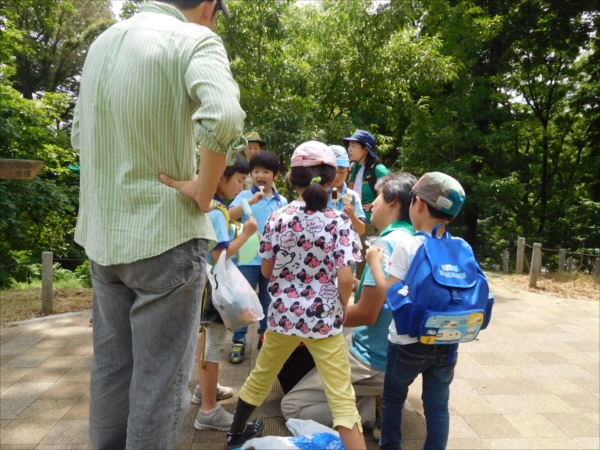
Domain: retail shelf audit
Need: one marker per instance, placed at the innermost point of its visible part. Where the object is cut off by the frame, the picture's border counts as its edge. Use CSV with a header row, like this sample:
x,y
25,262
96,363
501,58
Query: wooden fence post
x,y
570,264
597,267
520,254
562,256
47,292
505,261
535,264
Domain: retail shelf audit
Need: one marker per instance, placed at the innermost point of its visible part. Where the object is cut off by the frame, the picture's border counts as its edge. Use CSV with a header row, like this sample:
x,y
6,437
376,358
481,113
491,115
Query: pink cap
x,y
313,153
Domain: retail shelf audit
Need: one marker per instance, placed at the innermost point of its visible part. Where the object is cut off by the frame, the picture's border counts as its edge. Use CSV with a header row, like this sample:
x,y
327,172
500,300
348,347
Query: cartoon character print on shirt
x,y
311,260
355,251
287,274
338,257
344,237
274,290
306,251
304,277
308,293
265,246
322,276
321,328
323,245
283,259
291,291
297,309
331,228
285,323
279,306
302,242
296,225
302,326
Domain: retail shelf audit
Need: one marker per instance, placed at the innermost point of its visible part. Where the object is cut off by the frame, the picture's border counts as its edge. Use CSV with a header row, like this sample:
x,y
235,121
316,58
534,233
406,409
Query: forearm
x,y
212,166
236,244
235,212
358,225
366,310
345,282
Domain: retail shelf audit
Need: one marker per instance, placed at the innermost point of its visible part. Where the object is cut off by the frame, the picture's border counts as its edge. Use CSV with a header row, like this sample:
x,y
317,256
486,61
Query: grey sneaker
x,y
220,420
223,392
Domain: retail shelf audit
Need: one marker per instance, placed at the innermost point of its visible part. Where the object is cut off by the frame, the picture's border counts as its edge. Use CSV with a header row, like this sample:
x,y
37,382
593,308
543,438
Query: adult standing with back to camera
x,y
151,87
367,168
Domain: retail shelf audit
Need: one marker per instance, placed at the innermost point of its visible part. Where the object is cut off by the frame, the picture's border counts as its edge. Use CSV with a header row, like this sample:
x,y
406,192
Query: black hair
x,y
240,165
184,4
316,195
397,186
436,213
267,160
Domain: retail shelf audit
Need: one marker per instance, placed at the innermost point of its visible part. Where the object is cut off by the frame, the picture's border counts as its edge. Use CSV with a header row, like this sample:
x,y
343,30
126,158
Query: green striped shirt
x,y
151,87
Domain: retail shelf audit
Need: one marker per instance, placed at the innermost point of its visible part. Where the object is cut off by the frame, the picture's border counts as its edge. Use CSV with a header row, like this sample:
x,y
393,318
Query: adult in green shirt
x,y
366,170
151,88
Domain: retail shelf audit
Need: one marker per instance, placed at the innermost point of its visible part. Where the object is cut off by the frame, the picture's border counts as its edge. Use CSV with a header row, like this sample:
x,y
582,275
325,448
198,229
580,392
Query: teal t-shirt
x,y
370,343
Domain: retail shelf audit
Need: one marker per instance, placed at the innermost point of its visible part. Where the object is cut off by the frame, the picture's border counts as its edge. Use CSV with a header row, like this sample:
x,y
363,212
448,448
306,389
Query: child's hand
x,y
349,210
256,198
250,226
374,256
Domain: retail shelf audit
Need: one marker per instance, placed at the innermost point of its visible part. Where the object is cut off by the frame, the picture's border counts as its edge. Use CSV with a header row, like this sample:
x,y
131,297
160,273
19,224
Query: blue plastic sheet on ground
x,y
318,441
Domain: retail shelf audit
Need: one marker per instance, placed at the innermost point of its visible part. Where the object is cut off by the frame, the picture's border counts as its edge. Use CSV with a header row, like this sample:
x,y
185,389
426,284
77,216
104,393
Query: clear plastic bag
x,y
233,296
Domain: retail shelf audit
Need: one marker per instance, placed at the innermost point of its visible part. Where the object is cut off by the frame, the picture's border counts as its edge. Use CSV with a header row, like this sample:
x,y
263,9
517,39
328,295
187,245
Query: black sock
x,y
243,411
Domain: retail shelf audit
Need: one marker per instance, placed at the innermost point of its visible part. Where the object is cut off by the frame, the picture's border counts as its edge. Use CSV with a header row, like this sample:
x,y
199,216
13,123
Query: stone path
x,y
531,381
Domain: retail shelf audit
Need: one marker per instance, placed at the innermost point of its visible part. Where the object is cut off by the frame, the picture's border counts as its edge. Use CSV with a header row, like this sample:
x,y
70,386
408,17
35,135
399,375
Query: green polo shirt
x,y
151,88
368,196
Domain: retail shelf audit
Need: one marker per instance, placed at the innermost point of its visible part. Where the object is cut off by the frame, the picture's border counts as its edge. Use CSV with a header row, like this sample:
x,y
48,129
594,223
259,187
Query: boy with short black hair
x,y
263,199
436,199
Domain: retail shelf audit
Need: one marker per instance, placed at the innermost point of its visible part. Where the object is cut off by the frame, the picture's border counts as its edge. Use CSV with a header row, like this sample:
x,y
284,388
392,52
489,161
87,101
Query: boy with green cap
x,y
255,145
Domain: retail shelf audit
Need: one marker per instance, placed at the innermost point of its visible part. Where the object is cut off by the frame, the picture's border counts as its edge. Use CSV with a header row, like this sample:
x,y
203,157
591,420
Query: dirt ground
x,y
23,304
575,286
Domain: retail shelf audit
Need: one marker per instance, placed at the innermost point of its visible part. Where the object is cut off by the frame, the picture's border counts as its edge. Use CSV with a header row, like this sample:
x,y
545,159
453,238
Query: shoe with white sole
x,y
223,392
219,420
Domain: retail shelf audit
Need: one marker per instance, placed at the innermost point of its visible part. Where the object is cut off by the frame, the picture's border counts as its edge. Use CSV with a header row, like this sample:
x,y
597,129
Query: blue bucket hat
x,y
341,156
365,138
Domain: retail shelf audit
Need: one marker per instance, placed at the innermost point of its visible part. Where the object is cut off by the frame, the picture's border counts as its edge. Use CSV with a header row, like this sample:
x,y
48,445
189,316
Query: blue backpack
x,y
445,297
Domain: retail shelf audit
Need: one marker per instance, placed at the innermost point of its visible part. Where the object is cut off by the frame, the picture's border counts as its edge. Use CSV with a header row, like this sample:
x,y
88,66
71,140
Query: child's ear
x,y
275,176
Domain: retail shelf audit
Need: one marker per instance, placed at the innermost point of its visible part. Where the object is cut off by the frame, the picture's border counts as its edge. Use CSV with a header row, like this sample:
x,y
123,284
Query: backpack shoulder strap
x,y
371,176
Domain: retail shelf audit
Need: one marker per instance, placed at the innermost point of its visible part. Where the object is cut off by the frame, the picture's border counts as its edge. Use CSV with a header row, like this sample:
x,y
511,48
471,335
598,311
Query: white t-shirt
x,y
400,261
308,248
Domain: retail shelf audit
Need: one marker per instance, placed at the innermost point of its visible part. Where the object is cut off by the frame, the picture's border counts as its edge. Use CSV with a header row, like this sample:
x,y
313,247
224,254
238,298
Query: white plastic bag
x,y
232,295
300,427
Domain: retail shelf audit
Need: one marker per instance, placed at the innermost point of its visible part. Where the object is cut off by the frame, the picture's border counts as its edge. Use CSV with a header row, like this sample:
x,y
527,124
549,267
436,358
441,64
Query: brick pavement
x,y
531,381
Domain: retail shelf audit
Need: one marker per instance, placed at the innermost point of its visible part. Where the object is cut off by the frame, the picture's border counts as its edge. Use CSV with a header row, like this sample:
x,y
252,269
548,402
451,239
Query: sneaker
x,y
253,429
237,353
223,392
219,420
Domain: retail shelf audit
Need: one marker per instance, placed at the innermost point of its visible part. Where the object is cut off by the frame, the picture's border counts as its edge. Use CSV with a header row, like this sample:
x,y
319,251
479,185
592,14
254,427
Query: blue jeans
x,y
255,278
404,364
146,318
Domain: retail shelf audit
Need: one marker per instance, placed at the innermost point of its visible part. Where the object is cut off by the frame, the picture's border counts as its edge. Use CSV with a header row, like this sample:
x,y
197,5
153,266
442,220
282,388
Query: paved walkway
x,y
530,381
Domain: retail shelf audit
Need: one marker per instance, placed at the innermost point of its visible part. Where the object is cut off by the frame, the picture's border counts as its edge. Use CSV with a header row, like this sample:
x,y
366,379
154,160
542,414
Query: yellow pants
x,y
332,363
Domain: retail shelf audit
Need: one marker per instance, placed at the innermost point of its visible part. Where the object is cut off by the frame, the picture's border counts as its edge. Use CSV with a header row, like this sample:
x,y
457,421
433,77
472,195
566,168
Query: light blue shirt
x,y
370,343
339,205
224,234
261,211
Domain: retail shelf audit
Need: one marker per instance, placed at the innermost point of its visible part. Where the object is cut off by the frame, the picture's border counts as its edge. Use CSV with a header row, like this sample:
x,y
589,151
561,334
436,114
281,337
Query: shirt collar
x,y
398,225
162,8
218,199
255,189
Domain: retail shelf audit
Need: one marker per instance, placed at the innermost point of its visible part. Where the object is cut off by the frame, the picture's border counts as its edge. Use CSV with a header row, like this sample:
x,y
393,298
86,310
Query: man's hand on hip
x,y
190,189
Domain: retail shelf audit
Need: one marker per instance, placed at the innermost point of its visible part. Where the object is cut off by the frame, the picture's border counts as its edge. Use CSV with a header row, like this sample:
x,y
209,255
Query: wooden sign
x,y
19,169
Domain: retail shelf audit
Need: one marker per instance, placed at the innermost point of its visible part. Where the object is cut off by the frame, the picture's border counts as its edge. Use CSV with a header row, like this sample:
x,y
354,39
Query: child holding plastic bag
x,y
211,343
305,248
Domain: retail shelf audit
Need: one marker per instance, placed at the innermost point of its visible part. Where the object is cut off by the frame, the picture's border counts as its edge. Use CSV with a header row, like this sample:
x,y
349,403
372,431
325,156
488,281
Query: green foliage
x,y
83,274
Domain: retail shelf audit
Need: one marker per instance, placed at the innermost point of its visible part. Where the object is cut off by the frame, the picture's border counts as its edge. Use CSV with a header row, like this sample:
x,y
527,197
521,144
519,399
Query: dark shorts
x,y
210,314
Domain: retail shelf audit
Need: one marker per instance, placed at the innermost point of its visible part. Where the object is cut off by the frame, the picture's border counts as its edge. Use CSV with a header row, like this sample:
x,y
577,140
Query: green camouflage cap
x,y
440,191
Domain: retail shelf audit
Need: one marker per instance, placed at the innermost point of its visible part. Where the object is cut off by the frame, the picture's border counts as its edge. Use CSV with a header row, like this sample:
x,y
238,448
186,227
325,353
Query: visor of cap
x,y
223,7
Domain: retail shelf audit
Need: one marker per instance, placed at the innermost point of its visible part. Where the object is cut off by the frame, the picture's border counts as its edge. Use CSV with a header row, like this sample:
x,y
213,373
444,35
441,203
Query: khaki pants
x,y
331,360
307,399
